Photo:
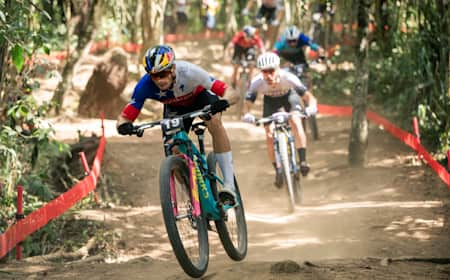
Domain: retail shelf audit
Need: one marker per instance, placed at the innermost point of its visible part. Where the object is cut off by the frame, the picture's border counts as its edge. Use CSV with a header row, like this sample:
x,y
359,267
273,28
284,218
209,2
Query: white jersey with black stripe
x,y
284,82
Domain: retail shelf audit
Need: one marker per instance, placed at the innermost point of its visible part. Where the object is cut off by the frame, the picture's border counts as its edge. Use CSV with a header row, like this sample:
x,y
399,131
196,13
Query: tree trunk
x,y
359,132
3,65
152,23
231,27
83,25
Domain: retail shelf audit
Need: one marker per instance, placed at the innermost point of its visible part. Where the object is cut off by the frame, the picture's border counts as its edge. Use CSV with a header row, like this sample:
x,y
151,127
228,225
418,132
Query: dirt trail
x,y
351,224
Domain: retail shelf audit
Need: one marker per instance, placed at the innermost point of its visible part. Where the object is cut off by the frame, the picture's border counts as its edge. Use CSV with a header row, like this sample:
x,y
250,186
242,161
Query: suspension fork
x,y
291,141
194,196
276,149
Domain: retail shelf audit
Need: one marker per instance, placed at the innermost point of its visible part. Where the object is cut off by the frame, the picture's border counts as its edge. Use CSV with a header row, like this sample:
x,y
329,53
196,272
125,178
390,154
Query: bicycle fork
x,y
194,175
295,167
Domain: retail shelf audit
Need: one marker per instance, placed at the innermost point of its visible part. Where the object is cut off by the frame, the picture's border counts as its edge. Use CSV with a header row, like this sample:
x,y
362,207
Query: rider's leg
x,y
269,143
222,149
300,143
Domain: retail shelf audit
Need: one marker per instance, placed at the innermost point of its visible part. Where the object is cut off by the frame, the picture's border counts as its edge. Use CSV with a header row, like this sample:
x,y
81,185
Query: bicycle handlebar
x,y
281,117
211,109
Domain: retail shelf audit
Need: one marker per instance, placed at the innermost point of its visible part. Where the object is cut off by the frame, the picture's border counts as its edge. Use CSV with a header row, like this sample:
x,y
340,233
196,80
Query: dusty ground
x,y
389,220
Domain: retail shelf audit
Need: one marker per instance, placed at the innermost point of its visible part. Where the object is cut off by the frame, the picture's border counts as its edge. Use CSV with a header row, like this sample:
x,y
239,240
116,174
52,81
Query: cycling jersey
x,y
286,82
190,80
241,40
294,54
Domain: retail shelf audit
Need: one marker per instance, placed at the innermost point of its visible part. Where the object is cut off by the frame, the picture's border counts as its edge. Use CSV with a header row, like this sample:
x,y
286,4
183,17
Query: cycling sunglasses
x,y
291,42
268,71
160,75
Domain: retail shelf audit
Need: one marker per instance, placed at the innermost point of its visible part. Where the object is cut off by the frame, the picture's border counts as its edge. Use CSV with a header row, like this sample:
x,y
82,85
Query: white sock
x,y
225,161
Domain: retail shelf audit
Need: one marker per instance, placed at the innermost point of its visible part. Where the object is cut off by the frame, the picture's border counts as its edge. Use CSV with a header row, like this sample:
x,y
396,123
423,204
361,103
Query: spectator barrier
x,y
40,217
402,135
53,209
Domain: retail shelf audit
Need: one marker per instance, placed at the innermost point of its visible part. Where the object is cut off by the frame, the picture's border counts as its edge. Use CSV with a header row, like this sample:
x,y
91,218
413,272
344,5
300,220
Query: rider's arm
x,y
260,44
251,96
131,111
203,79
279,45
307,41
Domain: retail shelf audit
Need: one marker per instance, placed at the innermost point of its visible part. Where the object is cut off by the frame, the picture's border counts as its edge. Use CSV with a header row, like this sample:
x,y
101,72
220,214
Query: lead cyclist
x,y
183,88
280,90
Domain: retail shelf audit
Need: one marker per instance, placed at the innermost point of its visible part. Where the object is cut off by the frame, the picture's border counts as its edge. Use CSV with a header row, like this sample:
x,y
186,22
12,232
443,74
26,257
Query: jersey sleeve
x,y
236,38
133,108
252,92
208,82
298,86
259,42
307,41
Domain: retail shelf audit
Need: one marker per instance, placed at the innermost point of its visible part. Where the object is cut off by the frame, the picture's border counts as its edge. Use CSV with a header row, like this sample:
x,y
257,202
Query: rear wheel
x,y
232,228
187,233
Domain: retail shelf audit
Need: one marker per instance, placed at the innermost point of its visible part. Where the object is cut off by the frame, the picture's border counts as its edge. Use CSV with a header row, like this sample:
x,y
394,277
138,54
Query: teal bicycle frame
x,y
202,197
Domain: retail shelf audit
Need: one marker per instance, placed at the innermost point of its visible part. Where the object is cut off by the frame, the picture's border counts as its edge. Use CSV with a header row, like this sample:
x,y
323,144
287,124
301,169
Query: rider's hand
x,y
125,128
249,118
310,110
244,12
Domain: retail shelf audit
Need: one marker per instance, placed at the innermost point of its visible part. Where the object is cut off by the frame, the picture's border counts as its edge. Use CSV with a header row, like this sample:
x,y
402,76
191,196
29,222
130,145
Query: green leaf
x,y
18,57
46,50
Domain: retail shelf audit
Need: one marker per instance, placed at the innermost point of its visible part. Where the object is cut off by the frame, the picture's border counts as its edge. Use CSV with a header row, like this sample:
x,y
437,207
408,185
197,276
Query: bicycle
x,y
285,154
300,71
189,183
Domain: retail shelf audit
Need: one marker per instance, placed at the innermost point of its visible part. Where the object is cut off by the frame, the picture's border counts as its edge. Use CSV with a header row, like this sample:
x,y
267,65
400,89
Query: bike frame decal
x,y
173,195
193,185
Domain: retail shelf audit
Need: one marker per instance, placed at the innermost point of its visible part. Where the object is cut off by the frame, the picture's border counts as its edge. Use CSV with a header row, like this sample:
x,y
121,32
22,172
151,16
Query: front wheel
x,y
284,156
187,233
232,228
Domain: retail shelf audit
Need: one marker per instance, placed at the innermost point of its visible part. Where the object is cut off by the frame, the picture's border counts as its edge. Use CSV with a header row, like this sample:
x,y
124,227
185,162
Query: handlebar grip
x,y
139,132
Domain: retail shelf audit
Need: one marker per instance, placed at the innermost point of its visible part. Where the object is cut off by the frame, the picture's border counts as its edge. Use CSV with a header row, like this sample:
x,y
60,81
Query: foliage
x,y
409,82
26,145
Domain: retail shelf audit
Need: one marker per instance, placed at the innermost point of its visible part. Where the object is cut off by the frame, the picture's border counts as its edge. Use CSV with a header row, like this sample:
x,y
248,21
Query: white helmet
x,y
292,33
249,30
268,60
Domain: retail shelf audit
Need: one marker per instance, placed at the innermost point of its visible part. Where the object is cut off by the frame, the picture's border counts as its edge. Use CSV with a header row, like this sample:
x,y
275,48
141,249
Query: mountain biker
x,y
182,87
280,88
290,46
245,43
270,10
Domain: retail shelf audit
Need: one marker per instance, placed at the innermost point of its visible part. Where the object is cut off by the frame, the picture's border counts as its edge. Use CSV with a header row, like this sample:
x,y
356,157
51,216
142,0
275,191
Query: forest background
x,y
399,50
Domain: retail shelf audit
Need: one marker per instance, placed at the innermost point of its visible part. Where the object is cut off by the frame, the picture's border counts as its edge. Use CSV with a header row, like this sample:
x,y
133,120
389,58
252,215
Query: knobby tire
x,y
232,229
284,155
194,262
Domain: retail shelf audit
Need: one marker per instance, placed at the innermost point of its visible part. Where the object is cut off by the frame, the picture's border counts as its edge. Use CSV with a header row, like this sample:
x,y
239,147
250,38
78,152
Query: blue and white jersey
x,y
190,80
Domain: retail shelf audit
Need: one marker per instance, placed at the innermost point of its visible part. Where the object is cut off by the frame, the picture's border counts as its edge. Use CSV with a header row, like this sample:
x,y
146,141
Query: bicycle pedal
x,y
227,198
